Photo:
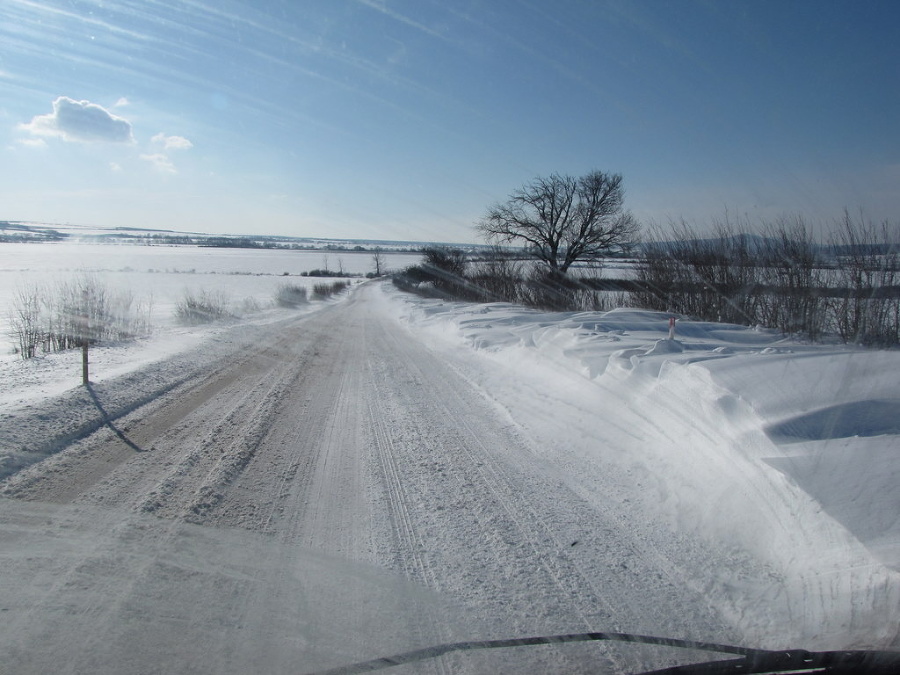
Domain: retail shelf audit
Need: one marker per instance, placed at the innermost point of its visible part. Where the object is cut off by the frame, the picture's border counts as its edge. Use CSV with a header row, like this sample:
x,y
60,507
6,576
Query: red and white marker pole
x,y
671,327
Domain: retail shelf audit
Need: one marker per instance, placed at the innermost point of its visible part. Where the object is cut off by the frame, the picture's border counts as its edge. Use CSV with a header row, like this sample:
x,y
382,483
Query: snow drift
x,y
781,457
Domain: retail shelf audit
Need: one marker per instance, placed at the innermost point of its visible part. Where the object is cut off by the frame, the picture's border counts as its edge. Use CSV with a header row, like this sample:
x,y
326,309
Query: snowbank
x,y
780,457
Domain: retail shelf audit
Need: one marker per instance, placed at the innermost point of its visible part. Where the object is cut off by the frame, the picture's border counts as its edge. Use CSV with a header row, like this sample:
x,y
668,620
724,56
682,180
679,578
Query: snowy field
x,y
758,472
158,276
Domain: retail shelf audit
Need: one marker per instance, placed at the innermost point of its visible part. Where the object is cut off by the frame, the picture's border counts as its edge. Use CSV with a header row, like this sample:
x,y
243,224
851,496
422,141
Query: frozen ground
x,y
540,473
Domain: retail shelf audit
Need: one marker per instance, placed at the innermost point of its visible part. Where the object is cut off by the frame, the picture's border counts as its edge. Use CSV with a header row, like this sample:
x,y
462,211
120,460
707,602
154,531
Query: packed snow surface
x,y
543,471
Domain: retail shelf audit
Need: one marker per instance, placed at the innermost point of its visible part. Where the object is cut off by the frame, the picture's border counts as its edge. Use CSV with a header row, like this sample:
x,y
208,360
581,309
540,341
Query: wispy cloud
x,y
172,142
33,142
402,18
160,158
160,161
80,121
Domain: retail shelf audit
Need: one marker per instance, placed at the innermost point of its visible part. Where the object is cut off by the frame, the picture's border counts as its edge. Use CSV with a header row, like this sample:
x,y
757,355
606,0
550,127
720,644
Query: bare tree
x,y
563,219
378,260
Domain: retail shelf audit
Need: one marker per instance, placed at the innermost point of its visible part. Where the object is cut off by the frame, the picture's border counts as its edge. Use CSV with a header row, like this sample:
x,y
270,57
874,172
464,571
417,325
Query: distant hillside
x,y
20,232
28,232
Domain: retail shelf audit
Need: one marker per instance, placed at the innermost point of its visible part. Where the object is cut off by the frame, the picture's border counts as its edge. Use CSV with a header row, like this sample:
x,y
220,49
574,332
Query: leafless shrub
x,y
323,291
291,295
201,307
250,305
446,269
498,276
26,321
782,277
74,312
793,267
867,309
441,274
714,277
560,292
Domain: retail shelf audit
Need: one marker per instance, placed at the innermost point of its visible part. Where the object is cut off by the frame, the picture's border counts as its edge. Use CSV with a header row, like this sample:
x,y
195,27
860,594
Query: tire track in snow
x,y
197,483
407,538
332,442
504,546
408,544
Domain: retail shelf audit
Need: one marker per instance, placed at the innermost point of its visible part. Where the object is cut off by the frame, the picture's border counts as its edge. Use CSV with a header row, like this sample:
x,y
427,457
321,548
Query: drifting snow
x,y
780,455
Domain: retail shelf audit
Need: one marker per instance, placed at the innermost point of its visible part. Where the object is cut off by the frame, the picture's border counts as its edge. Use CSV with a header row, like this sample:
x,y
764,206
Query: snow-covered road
x,y
210,524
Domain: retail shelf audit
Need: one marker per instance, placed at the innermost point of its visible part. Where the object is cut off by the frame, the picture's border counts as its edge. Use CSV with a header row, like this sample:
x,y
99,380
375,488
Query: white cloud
x,y
33,142
160,158
172,142
115,166
81,121
161,161
121,103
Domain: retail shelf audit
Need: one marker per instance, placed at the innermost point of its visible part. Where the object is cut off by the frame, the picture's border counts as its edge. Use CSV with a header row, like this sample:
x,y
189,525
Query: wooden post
x,y
85,325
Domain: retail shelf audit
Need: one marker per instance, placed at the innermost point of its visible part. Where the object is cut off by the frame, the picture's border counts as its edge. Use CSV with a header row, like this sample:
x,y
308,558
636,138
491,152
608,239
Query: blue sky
x,y
406,119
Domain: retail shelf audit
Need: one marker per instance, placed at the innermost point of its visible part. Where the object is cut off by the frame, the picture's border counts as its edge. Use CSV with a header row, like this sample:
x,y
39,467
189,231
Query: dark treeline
x,y
499,275
16,233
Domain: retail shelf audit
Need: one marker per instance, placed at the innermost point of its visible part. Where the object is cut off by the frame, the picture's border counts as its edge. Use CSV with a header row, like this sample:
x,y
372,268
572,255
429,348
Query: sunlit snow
x,y
779,456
